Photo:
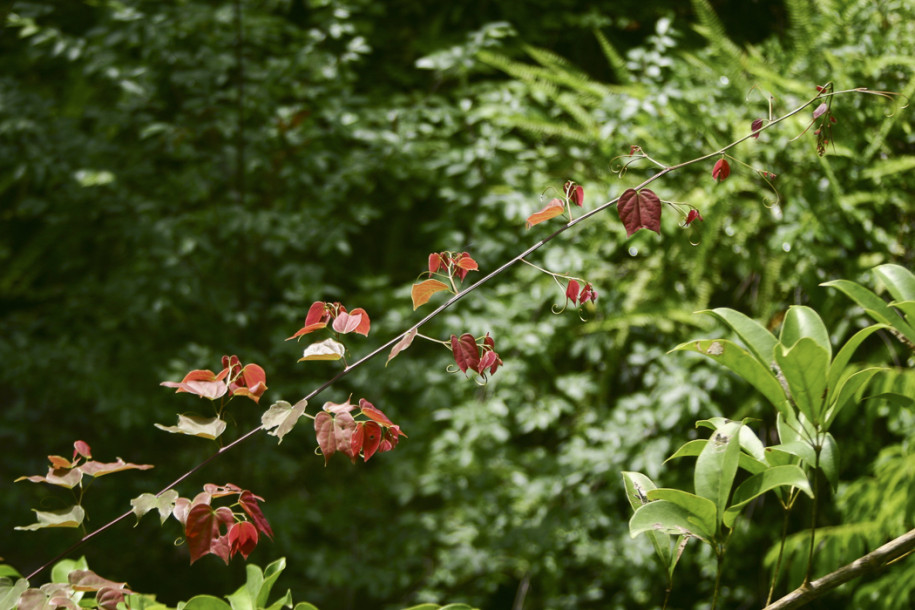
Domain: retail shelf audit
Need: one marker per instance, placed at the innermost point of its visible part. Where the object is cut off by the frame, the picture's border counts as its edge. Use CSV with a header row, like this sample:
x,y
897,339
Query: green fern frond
x,y
800,27
616,61
548,128
713,30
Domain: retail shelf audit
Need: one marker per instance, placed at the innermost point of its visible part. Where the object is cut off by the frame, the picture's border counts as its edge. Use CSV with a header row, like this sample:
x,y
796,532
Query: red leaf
x,y
435,263
374,413
423,291
338,407
344,427
722,170
575,193
755,126
363,327
553,209
358,438
324,430
242,538
466,263
347,323
491,361
693,215
249,504
201,530
572,290
372,438
82,448
640,210
315,319
466,352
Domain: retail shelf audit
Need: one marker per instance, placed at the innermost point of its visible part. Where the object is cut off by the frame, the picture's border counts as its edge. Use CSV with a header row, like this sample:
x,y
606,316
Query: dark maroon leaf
x,y
722,170
640,210
249,504
755,126
466,352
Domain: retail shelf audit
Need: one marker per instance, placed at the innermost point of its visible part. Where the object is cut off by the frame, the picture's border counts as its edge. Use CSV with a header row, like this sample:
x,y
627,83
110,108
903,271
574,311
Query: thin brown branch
x,y
869,564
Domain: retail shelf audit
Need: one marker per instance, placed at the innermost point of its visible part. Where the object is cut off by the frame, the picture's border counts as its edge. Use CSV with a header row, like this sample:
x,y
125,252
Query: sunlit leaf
x,y
758,484
346,323
98,469
423,291
165,504
281,417
553,209
323,350
195,425
66,517
403,344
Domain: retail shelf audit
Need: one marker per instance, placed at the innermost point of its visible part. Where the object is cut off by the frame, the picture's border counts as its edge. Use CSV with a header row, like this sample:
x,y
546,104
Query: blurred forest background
x,y
181,179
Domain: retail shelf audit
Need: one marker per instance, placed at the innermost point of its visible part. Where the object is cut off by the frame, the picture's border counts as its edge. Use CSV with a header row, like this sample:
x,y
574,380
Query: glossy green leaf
x,y
694,447
798,448
756,337
758,484
741,362
840,362
829,460
749,442
803,322
204,602
898,280
717,465
271,573
666,517
907,308
637,486
848,387
874,306
701,510
805,367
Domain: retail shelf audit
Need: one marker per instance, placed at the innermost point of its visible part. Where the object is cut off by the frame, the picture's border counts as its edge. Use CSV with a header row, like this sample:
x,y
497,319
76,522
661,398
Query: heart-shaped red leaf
x,y
364,325
201,530
346,323
721,171
372,437
466,352
640,210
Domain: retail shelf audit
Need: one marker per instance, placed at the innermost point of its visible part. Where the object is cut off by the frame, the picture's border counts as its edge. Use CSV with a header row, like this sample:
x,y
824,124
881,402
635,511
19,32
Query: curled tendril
x,y
452,368
561,309
765,176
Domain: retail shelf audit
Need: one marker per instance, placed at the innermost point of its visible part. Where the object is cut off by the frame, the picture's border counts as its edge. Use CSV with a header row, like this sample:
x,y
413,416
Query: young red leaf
x,y
553,209
315,319
640,210
575,193
251,382
423,291
97,469
755,126
466,352
249,503
722,170
491,361
358,438
201,530
374,413
371,439
693,215
324,430
242,538
344,428
338,407
572,290
466,263
820,110
82,448
435,263
364,325
403,344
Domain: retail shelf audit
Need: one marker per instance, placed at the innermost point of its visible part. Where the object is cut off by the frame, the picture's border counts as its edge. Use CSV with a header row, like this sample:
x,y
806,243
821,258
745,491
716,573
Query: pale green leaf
x,y
195,425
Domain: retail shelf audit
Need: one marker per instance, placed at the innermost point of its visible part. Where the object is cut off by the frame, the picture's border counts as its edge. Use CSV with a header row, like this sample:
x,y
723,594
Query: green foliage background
x,y
172,191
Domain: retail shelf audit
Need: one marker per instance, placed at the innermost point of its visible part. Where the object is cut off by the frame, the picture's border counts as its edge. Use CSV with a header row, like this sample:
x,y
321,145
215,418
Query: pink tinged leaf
x,y
97,469
820,110
371,439
357,439
365,324
374,413
491,361
553,209
323,350
722,170
58,461
87,580
755,126
572,291
466,352
466,263
324,430
334,408
181,510
62,477
82,448
587,294
346,323
242,538
249,504
108,598
575,193
344,427
403,344
423,291
693,215
640,210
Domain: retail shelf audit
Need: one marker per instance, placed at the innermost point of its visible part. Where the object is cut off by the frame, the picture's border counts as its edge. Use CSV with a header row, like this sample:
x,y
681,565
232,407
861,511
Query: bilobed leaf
x,y
721,170
365,323
194,425
63,477
805,368
640,210
423,291
323,350
344,427
165,504
65,517
201,529
466,352
553,209
758,484
281,417
403,344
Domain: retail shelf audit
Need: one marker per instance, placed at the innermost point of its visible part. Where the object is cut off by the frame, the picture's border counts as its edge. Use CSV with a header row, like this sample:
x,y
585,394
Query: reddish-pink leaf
x,y
722,170
553,209
344,427
97,469
435,262
572,290
491,361
693,215
820,110
372,438
575,193
338,407
466,263
82,448
466,352
423,291
249,504
363,327
242,538
587,294
374,413
58,461
755,126
403,344
201,530
315,319
324,430
640,210
358,438
346,323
